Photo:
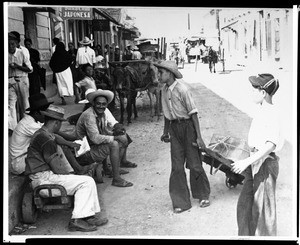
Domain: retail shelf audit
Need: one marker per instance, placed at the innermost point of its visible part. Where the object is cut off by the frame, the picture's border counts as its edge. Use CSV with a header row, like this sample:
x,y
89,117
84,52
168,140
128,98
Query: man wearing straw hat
x,y
182,129
45,165
85,54
94,123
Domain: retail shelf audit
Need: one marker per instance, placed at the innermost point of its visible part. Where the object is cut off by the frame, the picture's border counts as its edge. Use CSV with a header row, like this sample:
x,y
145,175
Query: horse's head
x,y
119,77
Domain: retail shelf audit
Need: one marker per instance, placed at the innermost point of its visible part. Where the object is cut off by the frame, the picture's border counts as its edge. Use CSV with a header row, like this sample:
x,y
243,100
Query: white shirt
x,y
265,127
20,58
20,141
99,60
85,55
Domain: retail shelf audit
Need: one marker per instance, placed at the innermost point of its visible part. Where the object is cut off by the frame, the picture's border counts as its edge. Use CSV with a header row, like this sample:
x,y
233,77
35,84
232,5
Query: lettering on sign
x,y
77,13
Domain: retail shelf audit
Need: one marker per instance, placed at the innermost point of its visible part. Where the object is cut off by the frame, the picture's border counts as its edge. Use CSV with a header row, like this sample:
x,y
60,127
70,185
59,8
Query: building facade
x,y
69,24
257,35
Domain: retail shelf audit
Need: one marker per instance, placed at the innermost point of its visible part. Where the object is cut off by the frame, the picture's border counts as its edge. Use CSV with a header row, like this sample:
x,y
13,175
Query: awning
x,y
229,25
39,9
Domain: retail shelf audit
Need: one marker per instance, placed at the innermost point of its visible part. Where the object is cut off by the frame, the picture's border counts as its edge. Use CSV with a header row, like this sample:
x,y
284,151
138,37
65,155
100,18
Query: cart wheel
x,y
29,211
228,184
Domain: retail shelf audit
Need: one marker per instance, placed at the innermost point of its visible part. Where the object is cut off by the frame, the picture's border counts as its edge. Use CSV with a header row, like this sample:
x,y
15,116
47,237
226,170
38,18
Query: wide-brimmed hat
x,y
170,66
55,112
85,101
38,101
86,41
100,92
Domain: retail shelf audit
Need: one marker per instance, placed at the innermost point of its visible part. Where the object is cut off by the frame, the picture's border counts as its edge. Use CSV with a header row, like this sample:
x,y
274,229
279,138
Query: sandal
x,y
128,164
204,203
121,183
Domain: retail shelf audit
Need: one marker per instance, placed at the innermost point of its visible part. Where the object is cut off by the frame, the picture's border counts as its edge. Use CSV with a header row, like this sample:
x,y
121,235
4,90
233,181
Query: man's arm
x,y
166,137
200,141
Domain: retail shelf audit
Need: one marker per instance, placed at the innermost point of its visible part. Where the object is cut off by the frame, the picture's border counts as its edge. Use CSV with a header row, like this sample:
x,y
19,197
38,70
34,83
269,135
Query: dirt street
x,y
145,209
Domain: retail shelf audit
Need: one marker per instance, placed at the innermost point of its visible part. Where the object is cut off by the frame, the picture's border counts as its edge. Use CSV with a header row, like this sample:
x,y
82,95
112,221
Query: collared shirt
x,y
265,127
19,58
40,151
20,141
177,101
85,55
90,125
87,82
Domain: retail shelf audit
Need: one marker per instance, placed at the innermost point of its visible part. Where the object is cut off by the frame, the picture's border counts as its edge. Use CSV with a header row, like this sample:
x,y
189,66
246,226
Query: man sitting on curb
x,y
24,131
95,124
42,166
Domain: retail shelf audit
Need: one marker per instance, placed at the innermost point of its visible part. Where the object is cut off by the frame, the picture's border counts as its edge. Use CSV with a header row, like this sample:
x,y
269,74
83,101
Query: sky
x,y
166,22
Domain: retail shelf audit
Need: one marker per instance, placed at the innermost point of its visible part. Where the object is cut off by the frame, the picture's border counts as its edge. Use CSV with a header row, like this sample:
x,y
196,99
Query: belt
x,y
179,120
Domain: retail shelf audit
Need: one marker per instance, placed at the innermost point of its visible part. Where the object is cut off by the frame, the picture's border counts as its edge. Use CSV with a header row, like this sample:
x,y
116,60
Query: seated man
x,y
95,123
42,166
24,130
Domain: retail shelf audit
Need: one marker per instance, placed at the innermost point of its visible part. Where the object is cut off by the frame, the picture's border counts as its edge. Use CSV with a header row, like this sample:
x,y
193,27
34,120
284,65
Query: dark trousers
x,y
184,154
256,208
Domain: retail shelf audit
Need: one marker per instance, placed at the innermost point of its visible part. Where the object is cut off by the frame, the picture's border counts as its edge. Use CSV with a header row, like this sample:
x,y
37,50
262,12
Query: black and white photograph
x,y
165,122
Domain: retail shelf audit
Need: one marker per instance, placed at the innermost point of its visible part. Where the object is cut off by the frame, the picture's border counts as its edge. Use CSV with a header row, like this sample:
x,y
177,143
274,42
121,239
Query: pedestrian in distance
x,y
181,128
41,166
60,63
256,207
212,59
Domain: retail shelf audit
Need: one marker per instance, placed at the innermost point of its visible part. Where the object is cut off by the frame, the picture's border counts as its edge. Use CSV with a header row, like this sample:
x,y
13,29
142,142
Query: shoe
x,y
81,225
179,210
97,221
204,203
121,183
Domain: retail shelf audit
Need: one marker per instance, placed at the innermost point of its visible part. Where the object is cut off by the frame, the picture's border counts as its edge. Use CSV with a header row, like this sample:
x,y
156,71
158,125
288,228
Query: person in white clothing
x,y
60,63
19,67
256,208
85,54
41,161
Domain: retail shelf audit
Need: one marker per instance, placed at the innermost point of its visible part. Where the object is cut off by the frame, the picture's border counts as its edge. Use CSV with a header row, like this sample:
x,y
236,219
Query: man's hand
x,y
239,166
165,138
118,129
201,144
74,145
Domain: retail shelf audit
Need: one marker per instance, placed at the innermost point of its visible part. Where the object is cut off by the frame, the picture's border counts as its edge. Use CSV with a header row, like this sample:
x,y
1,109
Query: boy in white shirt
x,y
256,208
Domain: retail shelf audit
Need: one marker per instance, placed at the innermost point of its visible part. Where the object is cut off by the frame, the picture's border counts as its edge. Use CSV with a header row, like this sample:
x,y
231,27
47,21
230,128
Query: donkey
x,y
131,78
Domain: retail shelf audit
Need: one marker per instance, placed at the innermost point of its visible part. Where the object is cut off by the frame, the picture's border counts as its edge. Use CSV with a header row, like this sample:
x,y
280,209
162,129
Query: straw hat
x,y
100,92
38,101
170,66
85,101
55,112
86,41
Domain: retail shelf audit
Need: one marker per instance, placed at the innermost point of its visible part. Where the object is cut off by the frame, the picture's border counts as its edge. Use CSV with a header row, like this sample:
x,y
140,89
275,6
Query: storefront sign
x,y
101,25
77,13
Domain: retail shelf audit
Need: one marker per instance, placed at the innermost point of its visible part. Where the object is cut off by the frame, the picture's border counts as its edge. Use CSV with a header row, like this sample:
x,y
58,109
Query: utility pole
x,y
189,24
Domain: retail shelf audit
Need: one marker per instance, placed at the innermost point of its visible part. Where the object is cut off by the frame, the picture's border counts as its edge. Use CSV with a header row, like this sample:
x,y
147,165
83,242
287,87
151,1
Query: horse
x,y
133,77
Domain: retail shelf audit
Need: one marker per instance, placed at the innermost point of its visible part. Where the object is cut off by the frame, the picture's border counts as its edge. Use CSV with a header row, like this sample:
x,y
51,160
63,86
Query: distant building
x,y
252,35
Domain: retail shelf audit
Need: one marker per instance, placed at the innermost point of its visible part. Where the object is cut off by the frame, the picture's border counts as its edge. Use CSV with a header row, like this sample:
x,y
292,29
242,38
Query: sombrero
x,y
170,66
86,41
55,112
100,92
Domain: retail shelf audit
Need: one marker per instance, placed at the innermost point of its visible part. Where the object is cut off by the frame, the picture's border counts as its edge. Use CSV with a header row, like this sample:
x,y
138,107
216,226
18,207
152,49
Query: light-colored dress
x,y
65,82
